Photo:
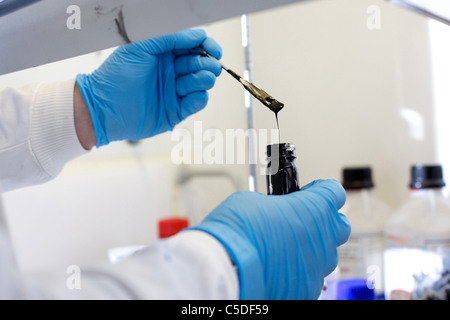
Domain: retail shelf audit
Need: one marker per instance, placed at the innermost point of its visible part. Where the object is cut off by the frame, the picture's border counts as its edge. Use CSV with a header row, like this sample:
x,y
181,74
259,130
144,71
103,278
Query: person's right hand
x,y
282,246
146,88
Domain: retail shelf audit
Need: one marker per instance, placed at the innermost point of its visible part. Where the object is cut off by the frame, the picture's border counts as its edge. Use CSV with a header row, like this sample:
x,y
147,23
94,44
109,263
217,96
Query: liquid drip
x,y
278,127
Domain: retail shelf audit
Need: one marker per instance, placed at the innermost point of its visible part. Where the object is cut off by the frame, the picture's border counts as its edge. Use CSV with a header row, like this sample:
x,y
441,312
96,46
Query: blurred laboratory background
x,y
357,92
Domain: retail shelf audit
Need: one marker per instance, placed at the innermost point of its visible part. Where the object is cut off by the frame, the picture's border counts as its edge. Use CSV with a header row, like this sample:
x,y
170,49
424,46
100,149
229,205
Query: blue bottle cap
x,y
354,289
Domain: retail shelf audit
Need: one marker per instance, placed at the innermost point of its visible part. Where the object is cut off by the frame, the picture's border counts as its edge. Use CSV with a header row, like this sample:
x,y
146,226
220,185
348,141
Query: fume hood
x,y
36,32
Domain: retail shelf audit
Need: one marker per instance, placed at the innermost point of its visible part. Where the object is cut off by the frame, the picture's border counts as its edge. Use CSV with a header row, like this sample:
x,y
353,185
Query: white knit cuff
x,y
53,138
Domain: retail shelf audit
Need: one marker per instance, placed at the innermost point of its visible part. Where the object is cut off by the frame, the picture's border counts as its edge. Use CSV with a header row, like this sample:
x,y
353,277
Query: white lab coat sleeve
x,y
9,277
37,133
37,138
189,265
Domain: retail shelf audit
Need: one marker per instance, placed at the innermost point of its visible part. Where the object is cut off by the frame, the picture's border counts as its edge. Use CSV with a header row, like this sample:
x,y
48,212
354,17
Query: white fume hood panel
x,y
50,30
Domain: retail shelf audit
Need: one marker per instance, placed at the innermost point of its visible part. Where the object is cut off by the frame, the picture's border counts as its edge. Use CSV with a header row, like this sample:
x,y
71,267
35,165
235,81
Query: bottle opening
x,y
280,149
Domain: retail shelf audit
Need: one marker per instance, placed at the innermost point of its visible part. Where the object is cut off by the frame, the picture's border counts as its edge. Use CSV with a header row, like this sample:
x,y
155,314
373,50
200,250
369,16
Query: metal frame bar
x,y
423,11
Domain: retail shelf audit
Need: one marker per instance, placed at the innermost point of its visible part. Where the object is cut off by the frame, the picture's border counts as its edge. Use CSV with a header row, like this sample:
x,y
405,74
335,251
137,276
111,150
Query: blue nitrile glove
x,y
148,87
282,246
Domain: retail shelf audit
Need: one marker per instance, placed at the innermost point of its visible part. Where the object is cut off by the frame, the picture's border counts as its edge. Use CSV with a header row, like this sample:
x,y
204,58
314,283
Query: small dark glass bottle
x,y
282,174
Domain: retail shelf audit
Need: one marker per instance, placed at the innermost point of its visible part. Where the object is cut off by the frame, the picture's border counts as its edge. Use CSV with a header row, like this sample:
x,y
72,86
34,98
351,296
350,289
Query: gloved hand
x,y
283,246
148,87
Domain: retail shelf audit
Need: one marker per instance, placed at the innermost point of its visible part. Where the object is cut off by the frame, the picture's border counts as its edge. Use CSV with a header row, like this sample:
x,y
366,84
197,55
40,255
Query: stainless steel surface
x,y
44,32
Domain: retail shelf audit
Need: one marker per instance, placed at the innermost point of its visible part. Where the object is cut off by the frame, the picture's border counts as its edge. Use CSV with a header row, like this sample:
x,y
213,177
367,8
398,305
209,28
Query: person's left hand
x,y
282,246
148,87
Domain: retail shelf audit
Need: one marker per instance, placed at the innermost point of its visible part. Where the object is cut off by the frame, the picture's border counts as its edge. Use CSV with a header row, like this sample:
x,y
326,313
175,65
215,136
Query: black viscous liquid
x,y
282,174
278,127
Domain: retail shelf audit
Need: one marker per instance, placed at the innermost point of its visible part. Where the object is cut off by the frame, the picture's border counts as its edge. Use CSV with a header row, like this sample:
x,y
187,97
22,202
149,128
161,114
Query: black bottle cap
x,y
357,178
426,176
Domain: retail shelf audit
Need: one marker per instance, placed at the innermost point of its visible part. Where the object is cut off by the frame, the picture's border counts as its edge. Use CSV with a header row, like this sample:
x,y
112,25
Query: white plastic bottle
x,y
417,256
362,256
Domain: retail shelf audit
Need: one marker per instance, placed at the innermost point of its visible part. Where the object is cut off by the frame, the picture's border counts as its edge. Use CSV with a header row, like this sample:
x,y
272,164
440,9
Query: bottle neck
x,y
426,192
358,191
431,196
363,196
